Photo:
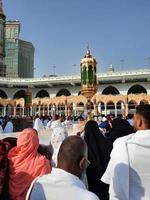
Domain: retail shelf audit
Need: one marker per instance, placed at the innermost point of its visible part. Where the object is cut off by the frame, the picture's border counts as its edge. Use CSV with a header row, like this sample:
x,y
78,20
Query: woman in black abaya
x,y
120,128
99,149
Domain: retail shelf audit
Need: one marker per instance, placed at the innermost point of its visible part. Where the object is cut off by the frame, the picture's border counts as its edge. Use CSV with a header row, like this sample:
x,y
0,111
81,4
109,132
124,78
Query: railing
x,y
69,78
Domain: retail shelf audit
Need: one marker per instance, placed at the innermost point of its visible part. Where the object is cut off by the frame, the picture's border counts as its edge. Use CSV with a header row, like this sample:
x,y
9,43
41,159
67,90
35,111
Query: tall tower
x,y
88,75
2,40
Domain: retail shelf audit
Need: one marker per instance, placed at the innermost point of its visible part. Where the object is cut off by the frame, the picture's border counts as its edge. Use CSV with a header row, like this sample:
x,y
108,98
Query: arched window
x,y
110,108
101,108
19,110
120,108
90,74
9,110
42,94
20,94
80,108
132,106
137,89
84,75
110,90
61,109
3,95
64,92
143,102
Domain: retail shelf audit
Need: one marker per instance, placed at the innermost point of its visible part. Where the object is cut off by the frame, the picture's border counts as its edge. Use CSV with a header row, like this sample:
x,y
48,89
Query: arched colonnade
x,y
109,101
75,105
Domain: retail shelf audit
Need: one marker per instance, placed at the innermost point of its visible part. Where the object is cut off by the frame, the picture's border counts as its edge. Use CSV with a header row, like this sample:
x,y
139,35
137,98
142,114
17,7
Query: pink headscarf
x,y
25,164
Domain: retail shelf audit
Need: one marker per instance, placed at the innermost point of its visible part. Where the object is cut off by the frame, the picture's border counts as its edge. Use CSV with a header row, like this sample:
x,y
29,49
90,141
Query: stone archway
x,y
34,110
63,92
110,108
110,90
142,102
61,109
132,106
42,94
20,94
19,110
101,108
120,106
3,95
137,89
9,110
80,108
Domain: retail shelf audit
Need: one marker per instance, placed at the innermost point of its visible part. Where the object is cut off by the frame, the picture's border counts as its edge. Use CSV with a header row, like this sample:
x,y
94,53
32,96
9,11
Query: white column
x,y
85,109
14,111
56,110
95,109
75,110
31,113
123,109
48,110
53,109
4,110
99,108
115,110
23,111
105,109
66,110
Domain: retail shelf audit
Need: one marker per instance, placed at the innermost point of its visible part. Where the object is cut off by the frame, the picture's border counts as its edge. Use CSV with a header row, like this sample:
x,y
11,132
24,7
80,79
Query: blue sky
x,y
60,30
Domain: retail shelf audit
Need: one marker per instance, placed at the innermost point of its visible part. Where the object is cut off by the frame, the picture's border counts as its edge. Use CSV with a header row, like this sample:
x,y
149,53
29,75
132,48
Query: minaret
x,y
88,75
110,68
2,40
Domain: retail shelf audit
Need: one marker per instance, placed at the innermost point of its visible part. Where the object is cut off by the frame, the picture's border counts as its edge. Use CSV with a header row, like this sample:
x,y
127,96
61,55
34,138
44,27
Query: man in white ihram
x,y
64,181
38,124
128,171
58,134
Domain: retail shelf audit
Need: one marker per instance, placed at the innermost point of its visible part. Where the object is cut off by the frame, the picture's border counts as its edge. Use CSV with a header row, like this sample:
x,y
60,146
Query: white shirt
x,y
9,127
1,129
67,123
38,125
128,171
49,124
45,122
57,137
60,185
131,122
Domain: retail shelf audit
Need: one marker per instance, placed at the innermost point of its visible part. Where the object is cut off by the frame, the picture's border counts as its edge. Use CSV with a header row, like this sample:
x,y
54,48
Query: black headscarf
x,y
99,148
120,128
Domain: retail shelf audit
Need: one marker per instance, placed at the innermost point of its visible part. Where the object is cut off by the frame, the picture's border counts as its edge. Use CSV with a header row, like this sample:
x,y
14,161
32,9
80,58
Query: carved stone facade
x,y
75,105
118,93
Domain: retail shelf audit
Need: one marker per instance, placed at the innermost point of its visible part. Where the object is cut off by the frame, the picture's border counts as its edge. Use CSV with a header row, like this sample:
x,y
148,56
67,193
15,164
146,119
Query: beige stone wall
x,y
76,103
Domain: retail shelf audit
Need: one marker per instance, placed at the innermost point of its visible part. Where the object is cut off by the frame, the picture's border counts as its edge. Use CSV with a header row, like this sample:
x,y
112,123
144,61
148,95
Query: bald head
x,y
71,152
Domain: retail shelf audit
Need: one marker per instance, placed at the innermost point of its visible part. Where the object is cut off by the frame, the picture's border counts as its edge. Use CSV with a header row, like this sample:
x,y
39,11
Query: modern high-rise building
x,y
26,59
12,31
19,57
2,41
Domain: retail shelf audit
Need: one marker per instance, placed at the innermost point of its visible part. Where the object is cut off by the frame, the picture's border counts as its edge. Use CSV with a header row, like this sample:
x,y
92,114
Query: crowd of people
x,y
106,159
6,124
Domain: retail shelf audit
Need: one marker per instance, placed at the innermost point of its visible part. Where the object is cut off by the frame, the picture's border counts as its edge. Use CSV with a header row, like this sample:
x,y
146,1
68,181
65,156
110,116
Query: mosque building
x,y
113,92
